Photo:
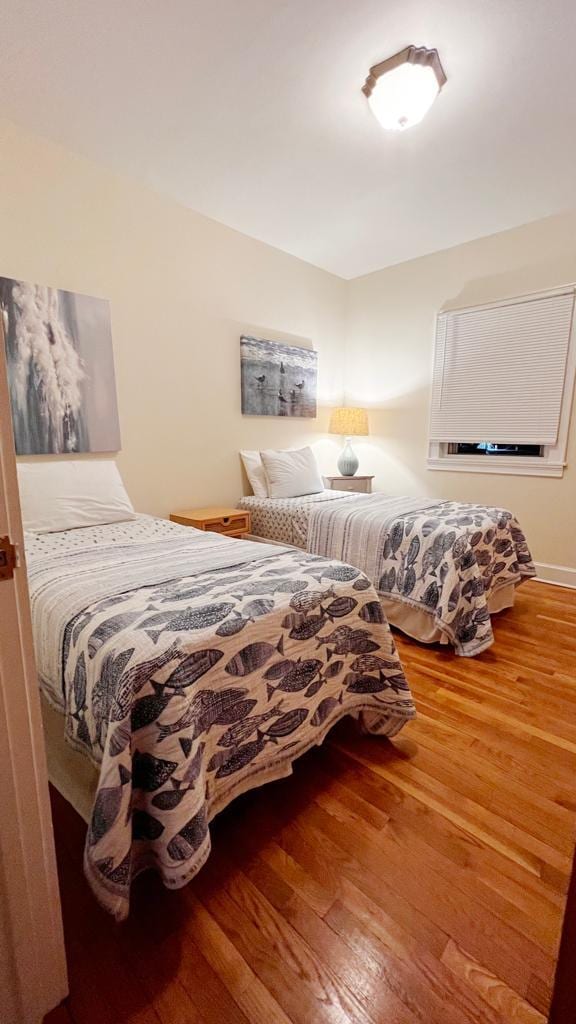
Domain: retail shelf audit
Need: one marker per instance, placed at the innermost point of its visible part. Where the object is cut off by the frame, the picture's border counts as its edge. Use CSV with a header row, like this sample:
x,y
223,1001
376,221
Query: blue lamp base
x,y
348,461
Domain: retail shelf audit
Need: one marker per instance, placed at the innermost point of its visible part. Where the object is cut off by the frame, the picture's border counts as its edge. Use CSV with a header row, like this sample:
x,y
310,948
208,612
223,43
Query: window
x,y
489,448
504,371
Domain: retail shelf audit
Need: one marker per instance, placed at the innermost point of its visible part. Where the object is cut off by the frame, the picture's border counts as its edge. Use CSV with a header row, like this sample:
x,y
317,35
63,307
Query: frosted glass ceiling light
x,y
402,89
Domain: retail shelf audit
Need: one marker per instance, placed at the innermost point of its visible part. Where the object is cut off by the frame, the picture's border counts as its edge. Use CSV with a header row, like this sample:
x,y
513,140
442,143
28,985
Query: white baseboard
x,y
557,575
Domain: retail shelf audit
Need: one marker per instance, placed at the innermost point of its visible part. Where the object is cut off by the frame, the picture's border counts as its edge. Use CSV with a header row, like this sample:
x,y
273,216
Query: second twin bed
x,y
441,568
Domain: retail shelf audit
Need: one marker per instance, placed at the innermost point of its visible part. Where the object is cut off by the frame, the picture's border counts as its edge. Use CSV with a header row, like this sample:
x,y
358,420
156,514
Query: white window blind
x,y
499,370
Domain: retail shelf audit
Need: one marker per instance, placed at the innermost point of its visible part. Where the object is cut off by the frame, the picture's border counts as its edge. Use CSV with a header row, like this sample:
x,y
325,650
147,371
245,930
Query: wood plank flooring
x,y
422,880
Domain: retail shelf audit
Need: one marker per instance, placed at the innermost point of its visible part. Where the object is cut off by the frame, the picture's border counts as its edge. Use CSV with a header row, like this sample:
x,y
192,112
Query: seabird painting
x,y
277,380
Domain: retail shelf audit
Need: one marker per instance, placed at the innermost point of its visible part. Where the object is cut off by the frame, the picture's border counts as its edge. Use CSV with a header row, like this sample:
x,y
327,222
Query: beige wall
x,y
390,332
182,290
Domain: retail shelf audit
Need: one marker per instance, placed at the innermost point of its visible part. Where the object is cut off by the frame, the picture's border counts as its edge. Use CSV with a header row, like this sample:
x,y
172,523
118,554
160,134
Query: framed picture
x,y
60,370
277,380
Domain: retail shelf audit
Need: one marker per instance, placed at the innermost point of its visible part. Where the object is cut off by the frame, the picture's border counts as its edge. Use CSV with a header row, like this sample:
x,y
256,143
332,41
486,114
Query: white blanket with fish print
x,y
445,558
187,690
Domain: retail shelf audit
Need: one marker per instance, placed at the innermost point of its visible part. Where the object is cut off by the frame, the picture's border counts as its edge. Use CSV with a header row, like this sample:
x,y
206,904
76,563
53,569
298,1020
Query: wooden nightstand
x,y
362,484
232,522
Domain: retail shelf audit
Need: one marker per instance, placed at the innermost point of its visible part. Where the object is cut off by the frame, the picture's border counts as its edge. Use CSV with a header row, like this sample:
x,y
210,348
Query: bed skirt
x,y
69,771
421,626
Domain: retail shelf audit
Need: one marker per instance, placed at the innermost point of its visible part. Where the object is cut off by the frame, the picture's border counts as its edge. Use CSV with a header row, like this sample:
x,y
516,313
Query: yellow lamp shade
x,y
349,422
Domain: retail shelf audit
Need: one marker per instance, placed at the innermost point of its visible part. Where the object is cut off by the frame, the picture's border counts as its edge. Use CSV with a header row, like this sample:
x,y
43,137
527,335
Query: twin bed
x,y
441,568
189,668
184,668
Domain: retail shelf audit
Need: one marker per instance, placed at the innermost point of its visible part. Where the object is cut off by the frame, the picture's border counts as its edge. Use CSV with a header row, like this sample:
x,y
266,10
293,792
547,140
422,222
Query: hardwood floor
x,y
422,880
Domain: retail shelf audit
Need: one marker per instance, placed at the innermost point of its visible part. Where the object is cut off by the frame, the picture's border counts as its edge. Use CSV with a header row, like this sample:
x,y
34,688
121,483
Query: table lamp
x,y
348,422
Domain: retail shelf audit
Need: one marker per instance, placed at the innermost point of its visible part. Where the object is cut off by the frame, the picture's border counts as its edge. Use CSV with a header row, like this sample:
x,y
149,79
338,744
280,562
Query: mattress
x,y
186,668
285,520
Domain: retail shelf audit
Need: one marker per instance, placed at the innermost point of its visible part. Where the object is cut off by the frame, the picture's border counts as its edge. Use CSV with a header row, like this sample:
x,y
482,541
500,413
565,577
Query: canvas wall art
x,y
277,380
60,370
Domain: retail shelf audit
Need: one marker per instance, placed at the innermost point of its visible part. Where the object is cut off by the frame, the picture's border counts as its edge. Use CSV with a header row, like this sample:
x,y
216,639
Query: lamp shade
x,y
403,96
349,422
402,89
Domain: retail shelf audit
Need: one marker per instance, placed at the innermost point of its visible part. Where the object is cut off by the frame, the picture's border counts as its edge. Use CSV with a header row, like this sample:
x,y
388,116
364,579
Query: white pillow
x,y
255,473
291,473
68,494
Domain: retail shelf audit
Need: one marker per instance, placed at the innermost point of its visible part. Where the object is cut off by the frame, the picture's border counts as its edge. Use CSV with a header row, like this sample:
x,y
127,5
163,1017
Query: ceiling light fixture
x,y
402,89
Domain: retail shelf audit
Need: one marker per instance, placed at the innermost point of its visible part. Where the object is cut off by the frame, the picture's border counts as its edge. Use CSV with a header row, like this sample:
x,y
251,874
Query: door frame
x,y
563,1008
33,976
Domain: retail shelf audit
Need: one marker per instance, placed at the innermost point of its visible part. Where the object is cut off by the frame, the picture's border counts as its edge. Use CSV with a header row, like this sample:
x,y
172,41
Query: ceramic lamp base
x,y
348,461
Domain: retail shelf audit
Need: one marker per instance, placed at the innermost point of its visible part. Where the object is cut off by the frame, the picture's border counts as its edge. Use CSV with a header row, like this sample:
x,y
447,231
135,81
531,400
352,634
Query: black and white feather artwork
x,y
60,370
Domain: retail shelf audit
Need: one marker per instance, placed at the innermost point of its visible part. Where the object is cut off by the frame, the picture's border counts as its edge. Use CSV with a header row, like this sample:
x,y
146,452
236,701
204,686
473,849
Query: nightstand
x,y
231,522
362,484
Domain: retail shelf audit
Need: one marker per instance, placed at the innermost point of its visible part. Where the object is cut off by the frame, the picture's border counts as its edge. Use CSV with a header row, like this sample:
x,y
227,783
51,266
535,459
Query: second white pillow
x,y
291,474
255,473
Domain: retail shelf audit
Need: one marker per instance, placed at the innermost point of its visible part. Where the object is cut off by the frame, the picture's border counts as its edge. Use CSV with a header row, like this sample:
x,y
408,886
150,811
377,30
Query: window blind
x,y
499,370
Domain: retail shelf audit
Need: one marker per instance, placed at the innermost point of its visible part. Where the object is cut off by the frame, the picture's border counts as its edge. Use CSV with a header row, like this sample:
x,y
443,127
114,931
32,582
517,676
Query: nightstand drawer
x,y
350,484
361,484
230,522
227,524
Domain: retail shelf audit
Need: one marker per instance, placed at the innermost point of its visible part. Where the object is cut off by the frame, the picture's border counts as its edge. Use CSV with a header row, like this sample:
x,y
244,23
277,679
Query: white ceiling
x,y
250,111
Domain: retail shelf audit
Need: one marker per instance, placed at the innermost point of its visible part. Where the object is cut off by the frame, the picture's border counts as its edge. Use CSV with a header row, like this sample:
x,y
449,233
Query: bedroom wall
x,y
182,289
390,337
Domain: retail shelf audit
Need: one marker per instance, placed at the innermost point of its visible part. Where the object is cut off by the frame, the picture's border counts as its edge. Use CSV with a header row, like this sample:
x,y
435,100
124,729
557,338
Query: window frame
x,y
553,460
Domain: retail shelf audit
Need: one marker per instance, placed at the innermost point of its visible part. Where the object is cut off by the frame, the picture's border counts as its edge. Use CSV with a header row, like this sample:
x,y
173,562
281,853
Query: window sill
x,y
496,464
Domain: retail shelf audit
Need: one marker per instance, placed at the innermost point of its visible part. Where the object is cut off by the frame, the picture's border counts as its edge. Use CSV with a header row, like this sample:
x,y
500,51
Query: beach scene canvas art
x,y
60,370
277,380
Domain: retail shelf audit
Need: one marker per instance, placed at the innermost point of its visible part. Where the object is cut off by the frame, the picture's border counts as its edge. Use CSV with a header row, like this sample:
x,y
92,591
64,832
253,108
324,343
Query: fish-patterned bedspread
x,y
191,689
445,558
